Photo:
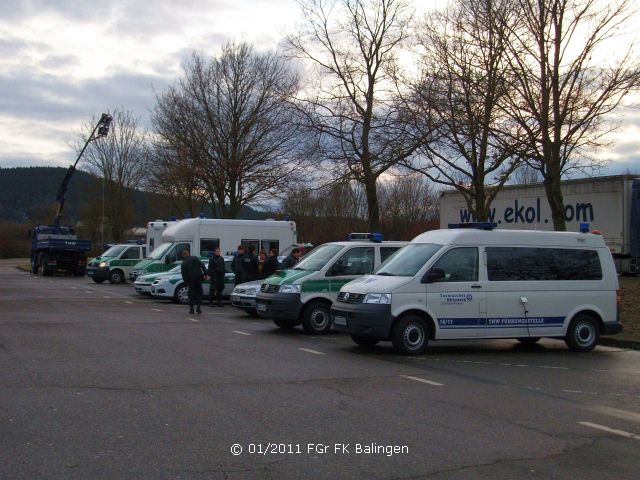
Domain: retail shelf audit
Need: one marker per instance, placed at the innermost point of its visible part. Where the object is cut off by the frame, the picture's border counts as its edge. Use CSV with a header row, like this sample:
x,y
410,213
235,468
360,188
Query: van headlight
x,y
289,289
103,264
381,298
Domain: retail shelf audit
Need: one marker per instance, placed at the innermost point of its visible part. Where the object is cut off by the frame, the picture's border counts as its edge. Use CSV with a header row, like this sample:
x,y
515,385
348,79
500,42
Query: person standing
x,y
292,259
236,266
250,264
216,271
193,272
271,264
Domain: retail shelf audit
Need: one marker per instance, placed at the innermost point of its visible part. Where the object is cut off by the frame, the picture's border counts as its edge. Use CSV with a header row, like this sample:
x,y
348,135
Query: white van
x,y
201,236
304,294
467,283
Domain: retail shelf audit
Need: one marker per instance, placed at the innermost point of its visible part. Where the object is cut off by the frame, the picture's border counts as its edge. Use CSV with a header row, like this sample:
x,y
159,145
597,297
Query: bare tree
x,y
567,84
120,159
460,90
409,206
352,45
231,118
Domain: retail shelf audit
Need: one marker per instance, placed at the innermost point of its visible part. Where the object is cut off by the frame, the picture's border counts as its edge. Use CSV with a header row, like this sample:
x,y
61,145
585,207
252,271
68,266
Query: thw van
x,y
201,236
475,284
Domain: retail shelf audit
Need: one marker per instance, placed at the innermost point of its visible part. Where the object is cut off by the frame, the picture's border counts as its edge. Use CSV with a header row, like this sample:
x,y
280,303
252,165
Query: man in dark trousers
x,y
215,270
250,264
236,266
292,259
193,272
271,265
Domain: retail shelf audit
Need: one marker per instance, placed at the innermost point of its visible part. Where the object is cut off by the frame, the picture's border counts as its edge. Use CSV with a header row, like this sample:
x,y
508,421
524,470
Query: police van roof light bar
x,y
374,237
477,225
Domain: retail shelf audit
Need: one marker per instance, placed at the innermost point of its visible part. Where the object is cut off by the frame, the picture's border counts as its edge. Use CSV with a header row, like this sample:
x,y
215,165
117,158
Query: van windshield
x,y
159,251
408,260
318,258
114,251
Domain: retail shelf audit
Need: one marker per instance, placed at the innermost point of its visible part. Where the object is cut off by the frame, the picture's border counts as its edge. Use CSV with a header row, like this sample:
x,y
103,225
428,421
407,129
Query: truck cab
x,y
115,264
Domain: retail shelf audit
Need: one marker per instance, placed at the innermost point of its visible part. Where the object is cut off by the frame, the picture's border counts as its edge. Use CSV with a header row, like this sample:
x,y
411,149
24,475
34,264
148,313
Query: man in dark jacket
x,y
236,265
215,270
292,259
271,265
193,272
250,264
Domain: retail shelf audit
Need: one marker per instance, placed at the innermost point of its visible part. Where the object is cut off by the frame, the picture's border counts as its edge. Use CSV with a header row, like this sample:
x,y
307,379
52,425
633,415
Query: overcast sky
x,y
64,61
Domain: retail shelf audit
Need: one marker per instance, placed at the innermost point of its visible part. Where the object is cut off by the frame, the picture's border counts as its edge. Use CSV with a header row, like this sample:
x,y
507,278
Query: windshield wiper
x,y
385,274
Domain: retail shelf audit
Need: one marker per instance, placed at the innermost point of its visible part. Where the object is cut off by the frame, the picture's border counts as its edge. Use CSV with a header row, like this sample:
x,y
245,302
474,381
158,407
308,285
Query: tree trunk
x,y
373,207
552,187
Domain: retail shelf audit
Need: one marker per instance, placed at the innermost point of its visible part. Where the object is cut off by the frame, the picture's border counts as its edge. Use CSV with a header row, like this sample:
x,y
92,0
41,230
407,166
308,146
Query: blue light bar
x,y
376,237
476,225
584,227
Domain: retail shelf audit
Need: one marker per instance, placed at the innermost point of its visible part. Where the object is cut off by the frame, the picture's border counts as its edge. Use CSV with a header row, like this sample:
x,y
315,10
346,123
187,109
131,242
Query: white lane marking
x,y
193,319
74,288
422,380
105,296
240,332
87,291
130,303
617,413
155,310
554,368
622,433
308,350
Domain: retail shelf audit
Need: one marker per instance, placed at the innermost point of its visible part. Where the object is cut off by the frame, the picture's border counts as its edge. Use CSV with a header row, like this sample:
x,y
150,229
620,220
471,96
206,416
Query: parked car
x,y
244,296
143,283
172,286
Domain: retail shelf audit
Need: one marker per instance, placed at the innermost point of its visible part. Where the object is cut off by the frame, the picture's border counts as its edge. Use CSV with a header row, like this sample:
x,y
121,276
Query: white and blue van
x,y
471,283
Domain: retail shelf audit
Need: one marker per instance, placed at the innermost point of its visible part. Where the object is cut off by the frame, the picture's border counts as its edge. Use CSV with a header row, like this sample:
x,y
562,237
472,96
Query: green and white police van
x,y
304,294
201,236
116,263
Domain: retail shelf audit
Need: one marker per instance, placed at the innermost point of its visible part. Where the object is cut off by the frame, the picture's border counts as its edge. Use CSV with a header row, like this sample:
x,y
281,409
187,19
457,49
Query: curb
x,y
619,342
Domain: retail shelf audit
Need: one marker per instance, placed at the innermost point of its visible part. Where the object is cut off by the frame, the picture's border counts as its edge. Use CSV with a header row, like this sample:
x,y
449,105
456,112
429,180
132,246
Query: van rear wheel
x,y
410,335
583,334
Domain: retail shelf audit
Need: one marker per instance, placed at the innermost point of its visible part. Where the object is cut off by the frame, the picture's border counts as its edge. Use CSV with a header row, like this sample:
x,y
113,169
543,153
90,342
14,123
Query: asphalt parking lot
x,y
99,382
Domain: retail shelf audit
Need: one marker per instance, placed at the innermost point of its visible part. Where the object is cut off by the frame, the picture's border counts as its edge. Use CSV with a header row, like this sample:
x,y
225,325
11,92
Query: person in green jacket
x,y
193,272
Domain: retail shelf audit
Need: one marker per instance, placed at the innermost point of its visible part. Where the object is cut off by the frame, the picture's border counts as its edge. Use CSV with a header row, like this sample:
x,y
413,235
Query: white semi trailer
x,y
610,205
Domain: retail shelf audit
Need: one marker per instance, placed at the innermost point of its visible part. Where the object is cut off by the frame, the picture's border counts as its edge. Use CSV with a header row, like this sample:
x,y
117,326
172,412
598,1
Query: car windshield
x,y
317,259
159,251
114,251
408,260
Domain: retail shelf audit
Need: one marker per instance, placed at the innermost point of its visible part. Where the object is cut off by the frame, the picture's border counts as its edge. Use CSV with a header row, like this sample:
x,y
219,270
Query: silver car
x,y
244,296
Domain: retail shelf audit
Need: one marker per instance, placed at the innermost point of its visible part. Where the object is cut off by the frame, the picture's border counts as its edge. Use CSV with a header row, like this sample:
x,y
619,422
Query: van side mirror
x,y
433,275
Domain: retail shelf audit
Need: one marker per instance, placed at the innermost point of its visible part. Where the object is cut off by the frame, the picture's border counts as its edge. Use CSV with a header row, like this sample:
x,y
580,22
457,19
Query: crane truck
x,y
57,247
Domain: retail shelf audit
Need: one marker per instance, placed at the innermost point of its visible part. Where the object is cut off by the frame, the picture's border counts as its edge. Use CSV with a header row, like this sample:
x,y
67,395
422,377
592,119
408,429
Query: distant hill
x,y
27,194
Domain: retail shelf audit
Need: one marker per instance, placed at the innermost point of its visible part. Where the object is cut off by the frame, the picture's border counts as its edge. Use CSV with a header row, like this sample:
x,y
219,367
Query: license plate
x,y
338,320
262,307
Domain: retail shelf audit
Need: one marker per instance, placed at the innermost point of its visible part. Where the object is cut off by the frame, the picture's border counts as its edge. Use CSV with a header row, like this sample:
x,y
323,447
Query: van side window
x,y
247,242
356,261
458,265
175,253
526,263
208,245
267,245
132,253
386,252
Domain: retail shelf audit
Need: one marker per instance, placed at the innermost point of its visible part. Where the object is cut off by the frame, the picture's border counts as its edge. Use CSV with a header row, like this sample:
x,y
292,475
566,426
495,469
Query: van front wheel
x,y
316,319
583,334
410,335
